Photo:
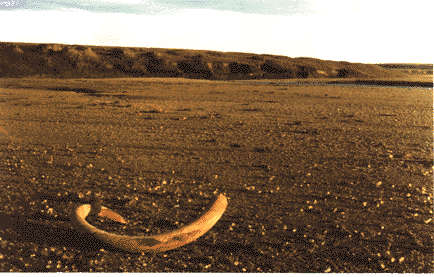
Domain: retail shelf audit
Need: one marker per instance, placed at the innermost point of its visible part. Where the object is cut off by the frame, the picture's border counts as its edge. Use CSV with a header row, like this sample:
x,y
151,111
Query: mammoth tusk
x,y
161,242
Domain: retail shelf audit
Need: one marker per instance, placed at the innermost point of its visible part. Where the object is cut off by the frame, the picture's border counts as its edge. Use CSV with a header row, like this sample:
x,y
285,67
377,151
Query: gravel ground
x,y
318,178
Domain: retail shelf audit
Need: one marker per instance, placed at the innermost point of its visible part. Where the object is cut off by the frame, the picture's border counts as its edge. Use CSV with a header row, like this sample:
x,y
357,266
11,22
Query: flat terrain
x,y
318,178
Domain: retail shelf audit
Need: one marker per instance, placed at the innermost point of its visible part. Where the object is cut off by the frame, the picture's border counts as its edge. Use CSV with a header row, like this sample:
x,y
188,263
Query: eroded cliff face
x,y
79,61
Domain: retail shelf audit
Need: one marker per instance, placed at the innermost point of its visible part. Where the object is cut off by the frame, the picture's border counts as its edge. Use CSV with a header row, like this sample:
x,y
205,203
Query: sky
x,y
365,31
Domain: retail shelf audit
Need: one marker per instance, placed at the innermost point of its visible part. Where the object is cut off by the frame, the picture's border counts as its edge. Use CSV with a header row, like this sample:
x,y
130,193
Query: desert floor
x,y
318,178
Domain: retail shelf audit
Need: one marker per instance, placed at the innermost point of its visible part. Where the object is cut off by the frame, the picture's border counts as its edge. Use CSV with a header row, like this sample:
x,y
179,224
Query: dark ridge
x,y
62,61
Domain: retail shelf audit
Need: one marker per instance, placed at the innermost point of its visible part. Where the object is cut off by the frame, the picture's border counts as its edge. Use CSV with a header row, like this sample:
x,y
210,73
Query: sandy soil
x,y
318,178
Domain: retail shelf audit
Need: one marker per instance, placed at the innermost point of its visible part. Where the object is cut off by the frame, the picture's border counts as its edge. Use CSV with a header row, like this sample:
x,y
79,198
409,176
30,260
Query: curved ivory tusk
x,y
161,242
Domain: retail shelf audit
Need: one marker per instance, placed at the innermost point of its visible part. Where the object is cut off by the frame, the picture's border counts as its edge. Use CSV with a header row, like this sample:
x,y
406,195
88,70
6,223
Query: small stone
x,y
44,252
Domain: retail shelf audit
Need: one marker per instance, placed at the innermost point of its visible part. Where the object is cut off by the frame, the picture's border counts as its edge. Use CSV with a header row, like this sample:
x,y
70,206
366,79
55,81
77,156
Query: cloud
x,y
264,7
280,7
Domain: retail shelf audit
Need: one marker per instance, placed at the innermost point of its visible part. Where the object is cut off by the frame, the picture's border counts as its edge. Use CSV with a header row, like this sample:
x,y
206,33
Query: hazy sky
x,y
368,31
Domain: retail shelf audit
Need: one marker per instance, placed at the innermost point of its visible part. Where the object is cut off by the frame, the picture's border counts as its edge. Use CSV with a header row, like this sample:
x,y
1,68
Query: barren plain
x,y
319,178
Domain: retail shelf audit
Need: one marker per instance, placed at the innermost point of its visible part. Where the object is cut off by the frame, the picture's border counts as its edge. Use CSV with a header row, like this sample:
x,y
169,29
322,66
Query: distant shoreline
x,y
349,82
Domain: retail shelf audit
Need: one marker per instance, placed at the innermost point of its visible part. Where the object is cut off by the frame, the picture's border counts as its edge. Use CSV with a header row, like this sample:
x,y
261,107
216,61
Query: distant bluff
x,y
79,61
